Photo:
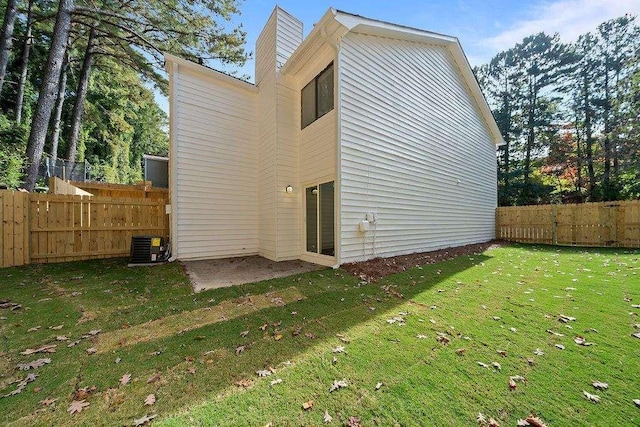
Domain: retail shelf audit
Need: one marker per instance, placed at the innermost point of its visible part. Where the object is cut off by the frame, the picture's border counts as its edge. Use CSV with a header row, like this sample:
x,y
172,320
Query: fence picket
x,y
615,224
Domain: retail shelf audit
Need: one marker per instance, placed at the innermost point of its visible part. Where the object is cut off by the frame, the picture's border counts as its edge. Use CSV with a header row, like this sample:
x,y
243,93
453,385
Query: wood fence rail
x,y
603,224
44,228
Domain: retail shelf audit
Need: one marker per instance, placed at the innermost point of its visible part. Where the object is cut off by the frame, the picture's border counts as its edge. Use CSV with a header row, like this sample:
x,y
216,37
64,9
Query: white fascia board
x,y
208,72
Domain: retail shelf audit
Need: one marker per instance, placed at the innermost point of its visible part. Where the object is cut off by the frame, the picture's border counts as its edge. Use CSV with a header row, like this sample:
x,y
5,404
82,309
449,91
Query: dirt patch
x,y
218,273
194,319
377,268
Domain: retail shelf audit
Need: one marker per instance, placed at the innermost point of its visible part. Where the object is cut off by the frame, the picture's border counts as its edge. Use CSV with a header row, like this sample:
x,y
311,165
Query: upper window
x,y
317,97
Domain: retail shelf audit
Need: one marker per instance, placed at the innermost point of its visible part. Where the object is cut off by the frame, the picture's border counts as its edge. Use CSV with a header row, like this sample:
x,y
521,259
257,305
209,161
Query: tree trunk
x,y
606,177
26,50
6,36
81,94
57,117
588,139
531,136
48,91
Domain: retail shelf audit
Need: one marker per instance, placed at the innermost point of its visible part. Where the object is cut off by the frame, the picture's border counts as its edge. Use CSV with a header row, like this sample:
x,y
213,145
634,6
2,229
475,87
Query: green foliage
x,y
14,140
569,115
122,122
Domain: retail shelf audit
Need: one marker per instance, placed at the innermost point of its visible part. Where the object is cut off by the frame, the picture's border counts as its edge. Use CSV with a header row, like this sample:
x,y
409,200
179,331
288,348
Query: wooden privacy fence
x,y
615,224
42,228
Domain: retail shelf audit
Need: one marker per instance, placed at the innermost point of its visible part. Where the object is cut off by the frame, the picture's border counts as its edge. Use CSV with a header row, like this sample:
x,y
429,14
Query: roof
x,y
335,24
202,69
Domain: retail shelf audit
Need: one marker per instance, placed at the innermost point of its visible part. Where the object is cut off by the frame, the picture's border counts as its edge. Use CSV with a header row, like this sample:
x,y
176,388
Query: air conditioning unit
x,y
149,249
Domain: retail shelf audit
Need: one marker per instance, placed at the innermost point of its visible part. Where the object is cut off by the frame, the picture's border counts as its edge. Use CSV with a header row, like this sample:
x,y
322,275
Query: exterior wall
x,y
213,165
415,151
278,142
318,141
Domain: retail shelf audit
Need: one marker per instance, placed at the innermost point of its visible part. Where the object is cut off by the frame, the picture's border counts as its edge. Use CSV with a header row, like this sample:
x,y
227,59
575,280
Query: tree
x,y
6,37
24,70
48,92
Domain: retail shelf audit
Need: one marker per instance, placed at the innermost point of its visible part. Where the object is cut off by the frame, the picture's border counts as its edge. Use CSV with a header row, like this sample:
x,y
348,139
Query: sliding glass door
x,y
320,228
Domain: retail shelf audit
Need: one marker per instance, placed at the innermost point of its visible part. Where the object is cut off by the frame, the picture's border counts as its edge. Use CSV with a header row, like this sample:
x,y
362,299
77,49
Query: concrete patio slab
x,y
219,273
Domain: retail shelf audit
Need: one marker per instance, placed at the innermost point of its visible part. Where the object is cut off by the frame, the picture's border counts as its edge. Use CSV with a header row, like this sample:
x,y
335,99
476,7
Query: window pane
x,y
311,198
308,104
325,91
326,219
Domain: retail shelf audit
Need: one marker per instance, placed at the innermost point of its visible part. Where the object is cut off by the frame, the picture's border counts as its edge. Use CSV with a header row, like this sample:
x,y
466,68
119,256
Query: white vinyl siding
x,y
215,157
414,150
278,144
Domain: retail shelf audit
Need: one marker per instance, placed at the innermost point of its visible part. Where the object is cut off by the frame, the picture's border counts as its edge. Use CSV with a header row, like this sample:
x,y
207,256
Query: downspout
x,y
173,126
337,194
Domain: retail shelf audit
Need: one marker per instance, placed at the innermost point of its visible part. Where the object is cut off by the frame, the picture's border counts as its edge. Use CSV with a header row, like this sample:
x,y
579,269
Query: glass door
x,y
320,228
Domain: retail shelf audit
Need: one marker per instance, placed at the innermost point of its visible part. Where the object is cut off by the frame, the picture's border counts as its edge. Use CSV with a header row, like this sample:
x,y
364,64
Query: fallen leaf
x,y
33,365
154,378
517,378
278,337
557,334
502,353
581,341
591,397
77,406
118,360
512,384
244,333
539,352
481,419
83,393
354,422
514,330
637,335
308,405
560,346
637,402
535,421
56,328
600,385
35,328
531,361
496,365
493,423
150,400
378,386
484,365
339,349
47,402
144,420
125,379
327,418
92,350
244,383
338,385
461,351
191,370
73,343
37,389
496,318
276,381
263,373
62,338
310,335
566,319
239,349
264,327
51,348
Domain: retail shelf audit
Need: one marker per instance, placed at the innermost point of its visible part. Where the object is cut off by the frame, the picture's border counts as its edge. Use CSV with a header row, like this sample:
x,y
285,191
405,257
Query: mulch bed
x,y
377,268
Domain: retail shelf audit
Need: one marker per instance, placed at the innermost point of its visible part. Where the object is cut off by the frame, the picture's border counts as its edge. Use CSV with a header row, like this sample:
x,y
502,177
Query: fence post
x,y
554,222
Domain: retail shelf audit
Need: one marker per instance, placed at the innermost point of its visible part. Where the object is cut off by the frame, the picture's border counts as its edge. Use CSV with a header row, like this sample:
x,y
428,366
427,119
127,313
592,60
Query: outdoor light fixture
x,y
289,189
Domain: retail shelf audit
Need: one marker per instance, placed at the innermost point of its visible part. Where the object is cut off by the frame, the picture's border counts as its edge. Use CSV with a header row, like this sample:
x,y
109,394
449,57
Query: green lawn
x,y
504,299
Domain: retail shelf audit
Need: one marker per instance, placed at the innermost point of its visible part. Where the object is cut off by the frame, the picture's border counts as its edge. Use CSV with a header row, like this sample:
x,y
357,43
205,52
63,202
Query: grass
x,y
424,382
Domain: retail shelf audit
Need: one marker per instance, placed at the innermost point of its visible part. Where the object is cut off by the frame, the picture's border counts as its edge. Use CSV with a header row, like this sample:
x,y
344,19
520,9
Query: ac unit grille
x,y
147,249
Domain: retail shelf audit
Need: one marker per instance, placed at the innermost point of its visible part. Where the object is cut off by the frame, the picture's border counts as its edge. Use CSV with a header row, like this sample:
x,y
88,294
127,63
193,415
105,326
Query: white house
x,y
365,139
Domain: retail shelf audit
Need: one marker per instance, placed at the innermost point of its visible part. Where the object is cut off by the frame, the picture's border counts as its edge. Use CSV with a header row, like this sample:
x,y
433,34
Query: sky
x,y
484,27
